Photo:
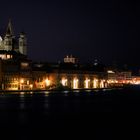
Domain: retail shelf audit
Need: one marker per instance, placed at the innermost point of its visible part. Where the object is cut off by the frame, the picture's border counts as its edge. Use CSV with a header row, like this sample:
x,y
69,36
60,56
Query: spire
x,y
9,30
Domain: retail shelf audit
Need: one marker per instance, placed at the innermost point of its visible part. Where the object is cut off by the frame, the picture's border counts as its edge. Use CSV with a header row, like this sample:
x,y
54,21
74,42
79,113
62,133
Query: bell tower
x,y
22,43
8,37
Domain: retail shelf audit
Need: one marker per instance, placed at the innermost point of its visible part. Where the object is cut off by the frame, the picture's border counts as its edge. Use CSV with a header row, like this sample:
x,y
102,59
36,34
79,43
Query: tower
x,y
22,43
8,37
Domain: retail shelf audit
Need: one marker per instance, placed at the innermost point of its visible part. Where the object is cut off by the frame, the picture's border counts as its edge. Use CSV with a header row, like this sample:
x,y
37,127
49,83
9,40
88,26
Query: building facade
x,y
8,42
17,72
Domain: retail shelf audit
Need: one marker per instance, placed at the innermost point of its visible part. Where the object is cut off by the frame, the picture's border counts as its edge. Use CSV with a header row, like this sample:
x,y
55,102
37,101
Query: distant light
x,y
95,83
47,81
87,83
31,86
75,83
110,71
21,81
64,82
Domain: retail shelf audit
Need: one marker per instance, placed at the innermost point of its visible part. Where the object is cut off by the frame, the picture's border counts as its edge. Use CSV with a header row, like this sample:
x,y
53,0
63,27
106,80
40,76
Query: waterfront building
x,y
17,72
15,75
115,78
67,75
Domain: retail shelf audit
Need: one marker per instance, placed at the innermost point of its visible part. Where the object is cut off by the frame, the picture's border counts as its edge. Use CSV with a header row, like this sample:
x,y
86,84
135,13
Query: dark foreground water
x,y
90,115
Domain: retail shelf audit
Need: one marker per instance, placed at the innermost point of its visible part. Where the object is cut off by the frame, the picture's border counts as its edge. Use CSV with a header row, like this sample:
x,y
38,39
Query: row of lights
x,y
22,82
87,81
64,82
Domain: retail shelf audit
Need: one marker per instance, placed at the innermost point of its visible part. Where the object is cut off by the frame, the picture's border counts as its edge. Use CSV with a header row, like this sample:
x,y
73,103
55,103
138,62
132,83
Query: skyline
x,y
105,30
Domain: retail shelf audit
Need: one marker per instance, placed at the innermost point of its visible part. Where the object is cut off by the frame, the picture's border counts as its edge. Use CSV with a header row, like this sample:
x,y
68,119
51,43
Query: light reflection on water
x,y
88,90
22,100
77,91
22,94
66,91
46,104
46,93
25,106
96,90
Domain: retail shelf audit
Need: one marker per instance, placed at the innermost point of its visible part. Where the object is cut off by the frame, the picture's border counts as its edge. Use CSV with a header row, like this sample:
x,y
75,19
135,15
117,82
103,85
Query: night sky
x,y
105,30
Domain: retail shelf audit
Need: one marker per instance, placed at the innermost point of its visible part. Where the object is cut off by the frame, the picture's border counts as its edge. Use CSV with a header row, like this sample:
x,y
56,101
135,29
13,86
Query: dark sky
x,y
105,30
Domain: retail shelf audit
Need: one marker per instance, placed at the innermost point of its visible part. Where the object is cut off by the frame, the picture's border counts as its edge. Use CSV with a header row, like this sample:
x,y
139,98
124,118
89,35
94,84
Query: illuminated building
x,y
9,43
118,77
17,72
70,59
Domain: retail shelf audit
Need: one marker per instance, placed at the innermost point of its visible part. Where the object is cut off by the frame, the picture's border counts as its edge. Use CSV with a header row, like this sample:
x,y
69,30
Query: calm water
x,y
90,113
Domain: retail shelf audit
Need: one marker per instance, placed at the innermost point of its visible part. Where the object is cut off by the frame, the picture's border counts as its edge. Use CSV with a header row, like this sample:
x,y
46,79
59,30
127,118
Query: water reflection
x,y
65,91
46,93
88,90
22,101
46,100
77,91
46,104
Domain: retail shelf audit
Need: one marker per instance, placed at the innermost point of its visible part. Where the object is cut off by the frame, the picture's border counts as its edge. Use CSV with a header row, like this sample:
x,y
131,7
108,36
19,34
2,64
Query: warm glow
x,y
110,71
75,83
87,83
102,84
21,81
8,56
95,83
64,82
28,82
31,86
111,81
47,81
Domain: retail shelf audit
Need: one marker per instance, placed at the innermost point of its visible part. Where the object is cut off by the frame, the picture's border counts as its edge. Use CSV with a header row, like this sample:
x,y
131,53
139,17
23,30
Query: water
x,y
45,114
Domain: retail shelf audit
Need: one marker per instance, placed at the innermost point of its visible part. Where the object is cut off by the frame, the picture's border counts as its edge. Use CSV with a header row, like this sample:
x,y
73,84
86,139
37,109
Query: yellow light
x,y
75,83
47,81
21,81
95,83
31,86
110,71
28,82
102,84
64,82
87,83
